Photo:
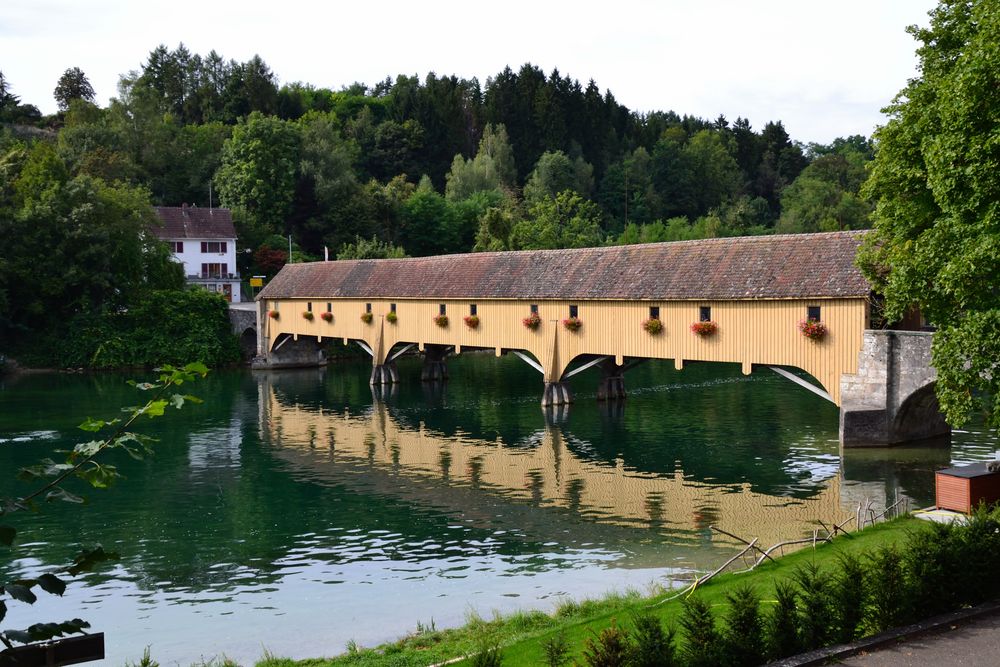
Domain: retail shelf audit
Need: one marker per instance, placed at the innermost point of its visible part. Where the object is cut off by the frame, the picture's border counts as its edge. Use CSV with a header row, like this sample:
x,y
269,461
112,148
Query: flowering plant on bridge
x,y
812,329
366,317
441,320
273,314
653,326
327,316
471,321
704,329
532,321
308,315
391,317
572,323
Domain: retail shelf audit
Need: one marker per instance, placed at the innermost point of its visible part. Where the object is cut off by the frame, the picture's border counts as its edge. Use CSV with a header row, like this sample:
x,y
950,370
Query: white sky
x,y
824,67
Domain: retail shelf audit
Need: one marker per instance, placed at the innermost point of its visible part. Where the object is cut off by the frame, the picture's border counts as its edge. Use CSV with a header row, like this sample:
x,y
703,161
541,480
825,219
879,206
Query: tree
x,y
370,249
555,173
73,85
825,196
936,183
567,221
491,169
258,172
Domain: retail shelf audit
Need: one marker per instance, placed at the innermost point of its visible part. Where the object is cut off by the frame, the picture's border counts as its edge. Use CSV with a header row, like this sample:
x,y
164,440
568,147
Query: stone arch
x,y
919,416
248,343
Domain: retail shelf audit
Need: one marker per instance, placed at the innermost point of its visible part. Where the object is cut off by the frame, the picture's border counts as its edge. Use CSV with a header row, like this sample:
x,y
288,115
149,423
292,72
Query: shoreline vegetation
x,y
523,635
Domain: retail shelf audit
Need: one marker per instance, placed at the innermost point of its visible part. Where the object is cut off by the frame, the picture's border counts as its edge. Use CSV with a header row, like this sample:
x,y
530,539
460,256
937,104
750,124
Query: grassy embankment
x,y
522,633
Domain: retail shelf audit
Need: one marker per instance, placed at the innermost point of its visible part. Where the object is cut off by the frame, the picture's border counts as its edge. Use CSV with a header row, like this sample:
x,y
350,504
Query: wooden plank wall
x,y
750,332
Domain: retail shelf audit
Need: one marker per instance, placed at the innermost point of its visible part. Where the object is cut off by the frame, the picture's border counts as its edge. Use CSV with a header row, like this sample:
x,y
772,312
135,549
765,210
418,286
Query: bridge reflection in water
x,y
520,484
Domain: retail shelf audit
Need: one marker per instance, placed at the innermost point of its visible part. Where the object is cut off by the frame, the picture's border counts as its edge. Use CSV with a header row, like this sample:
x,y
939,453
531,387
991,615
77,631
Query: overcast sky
x,y
824,67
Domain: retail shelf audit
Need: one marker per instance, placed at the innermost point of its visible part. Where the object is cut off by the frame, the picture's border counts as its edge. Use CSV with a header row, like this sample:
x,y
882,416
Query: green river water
x,y
292,512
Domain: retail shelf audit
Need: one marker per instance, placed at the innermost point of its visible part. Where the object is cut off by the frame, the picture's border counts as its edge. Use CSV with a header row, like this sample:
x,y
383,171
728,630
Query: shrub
x,y
273,314
704,329
488,653
781,629
815,607
532,321
391,317
441,320
701,639
367,317
742,636
887,597
471,321
848,597
610,648
556,650
812,329
307,314
572,323
654,646
976,548
327,316
653,326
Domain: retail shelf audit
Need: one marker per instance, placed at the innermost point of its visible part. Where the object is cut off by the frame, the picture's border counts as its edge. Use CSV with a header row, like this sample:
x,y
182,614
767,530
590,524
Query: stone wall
x,y
891,398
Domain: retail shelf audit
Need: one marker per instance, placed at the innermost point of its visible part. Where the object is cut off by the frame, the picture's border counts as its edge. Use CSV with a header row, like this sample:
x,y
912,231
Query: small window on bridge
x,y
329,307
472,309
392,307
534,308
442,309
705,314
309,306
574,311
812,313
368,308
654,312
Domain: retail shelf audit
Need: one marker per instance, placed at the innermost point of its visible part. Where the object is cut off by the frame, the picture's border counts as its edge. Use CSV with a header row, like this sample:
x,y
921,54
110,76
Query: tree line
x,y
445,164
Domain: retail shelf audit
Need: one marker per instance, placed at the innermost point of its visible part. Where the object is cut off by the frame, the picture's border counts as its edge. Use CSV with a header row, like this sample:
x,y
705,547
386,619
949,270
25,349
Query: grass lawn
x,y
522,633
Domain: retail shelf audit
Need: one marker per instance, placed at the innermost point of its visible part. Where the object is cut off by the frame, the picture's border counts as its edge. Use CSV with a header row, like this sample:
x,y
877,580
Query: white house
x,y
204,241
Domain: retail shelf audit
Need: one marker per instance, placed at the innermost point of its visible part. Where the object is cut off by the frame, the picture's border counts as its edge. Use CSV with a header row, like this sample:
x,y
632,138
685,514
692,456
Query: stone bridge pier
x,y
891,399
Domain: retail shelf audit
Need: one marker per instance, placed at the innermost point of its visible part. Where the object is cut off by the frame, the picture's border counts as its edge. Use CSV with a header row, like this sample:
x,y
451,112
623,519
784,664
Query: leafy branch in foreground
x,y
81,462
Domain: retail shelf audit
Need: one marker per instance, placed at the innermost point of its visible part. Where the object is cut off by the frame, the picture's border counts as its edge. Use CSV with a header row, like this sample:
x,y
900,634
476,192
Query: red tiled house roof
x,y
752,267
191,222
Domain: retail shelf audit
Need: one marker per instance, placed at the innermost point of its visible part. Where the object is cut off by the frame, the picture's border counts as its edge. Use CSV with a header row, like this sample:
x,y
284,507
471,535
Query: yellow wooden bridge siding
x,y
750,331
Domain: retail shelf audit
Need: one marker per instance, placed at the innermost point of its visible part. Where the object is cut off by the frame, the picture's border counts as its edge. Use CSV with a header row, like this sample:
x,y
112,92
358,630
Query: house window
x,y
654,312
472,309
534,308
392,307
368,308
210,270
574,311
309,306
177,247
812,313
213,246
442,310
329,307
705,314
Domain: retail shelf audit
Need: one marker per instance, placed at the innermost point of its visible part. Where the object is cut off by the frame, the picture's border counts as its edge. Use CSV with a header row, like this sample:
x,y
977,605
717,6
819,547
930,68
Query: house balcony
x,y
212,275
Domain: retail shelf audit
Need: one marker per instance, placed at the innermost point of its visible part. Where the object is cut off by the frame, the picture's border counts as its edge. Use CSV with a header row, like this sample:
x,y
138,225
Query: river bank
x,y
523,634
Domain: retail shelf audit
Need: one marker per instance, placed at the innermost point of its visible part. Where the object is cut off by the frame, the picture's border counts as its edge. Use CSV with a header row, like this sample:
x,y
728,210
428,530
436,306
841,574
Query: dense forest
x,y
404,167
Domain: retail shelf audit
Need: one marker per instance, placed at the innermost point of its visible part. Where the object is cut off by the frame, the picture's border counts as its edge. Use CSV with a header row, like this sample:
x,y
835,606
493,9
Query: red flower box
x,y
812,329
327,316
471,321
572,324
653,326
441,320
532,321
704,329
273,314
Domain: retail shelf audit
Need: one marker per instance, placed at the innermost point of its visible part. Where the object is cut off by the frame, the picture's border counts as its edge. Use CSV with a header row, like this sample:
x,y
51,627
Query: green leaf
x,y
19,636
21,593
197,367
177,400
86,561
92,425
7,534
62,494
52,584
192,399
88,449
98,476
155,408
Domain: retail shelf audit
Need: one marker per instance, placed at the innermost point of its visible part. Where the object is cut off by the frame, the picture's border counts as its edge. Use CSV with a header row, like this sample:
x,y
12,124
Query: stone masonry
x,y
891,398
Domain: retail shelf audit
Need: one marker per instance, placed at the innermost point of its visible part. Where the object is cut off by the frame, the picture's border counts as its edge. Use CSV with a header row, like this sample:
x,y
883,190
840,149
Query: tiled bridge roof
x,y
751,267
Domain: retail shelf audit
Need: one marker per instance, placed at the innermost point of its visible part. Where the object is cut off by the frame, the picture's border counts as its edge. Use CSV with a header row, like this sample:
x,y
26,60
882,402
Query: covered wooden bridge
x,y
738,300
